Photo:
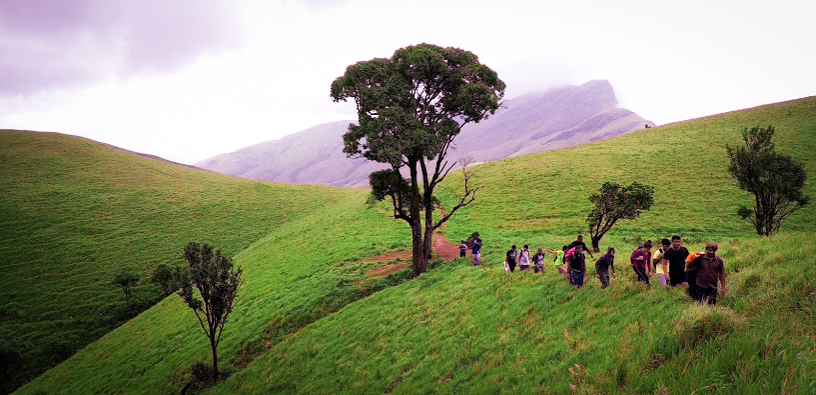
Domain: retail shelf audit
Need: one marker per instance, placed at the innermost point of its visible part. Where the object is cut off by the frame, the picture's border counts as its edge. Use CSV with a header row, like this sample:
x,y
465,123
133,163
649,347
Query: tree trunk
x,y
428,236
215,357
420,260
596,240
419,257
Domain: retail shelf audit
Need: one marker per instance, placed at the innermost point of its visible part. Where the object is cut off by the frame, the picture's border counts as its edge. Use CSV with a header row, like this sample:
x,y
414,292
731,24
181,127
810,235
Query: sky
x,y
190,79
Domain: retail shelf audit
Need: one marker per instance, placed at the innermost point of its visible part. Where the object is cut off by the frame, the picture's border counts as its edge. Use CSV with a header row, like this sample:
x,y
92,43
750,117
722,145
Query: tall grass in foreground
x,y
462,329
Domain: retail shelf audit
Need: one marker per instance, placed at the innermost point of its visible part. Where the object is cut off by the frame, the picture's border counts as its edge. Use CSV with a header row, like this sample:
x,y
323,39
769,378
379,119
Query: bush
x,y
167,278
700,323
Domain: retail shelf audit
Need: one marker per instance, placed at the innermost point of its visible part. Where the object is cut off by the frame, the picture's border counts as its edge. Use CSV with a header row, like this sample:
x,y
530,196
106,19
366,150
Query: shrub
x,y
167,278
699,324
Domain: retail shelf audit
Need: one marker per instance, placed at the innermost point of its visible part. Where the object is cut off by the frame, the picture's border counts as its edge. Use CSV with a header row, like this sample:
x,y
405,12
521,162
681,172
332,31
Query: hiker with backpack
x,y
659,264
538,261
476,250
640,262
510,259
577,265
560,263
710,271
603,264
524,258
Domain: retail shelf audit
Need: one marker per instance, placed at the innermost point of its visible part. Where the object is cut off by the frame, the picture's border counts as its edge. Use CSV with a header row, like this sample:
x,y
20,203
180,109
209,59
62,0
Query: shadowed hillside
x,y
535,122
463,329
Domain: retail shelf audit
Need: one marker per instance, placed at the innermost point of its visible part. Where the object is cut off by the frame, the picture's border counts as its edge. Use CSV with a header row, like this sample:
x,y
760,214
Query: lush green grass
x,y
74,212
302,271
460,329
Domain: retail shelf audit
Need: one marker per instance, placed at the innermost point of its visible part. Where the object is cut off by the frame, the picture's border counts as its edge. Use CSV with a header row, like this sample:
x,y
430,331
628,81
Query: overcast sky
x,y
190,79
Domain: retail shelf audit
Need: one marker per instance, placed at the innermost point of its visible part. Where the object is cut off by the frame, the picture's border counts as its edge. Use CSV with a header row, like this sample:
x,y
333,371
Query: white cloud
x,y
270,73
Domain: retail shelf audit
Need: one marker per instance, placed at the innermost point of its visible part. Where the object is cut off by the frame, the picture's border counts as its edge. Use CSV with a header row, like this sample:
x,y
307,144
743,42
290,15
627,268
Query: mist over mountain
x,y
534,122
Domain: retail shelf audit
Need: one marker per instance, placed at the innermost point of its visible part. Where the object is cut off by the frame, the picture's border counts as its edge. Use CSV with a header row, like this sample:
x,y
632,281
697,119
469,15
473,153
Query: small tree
x,y
614,202
126,280
167,278
217,280
775,180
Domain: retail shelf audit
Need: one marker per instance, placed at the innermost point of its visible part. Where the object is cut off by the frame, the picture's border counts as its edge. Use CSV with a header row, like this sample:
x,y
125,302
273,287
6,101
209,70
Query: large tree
x,y
775,180
217,280
410,108
614,202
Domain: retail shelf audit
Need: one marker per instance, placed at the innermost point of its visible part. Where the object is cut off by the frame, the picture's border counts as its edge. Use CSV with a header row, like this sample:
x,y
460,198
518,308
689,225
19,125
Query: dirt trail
x,y
442,248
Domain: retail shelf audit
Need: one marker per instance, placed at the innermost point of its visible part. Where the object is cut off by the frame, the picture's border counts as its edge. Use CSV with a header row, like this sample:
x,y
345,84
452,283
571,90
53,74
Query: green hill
x,y
460,329
75,212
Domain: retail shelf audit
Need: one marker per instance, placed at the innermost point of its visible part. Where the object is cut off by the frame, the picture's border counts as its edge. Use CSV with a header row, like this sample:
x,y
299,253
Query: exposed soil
x,y
442,248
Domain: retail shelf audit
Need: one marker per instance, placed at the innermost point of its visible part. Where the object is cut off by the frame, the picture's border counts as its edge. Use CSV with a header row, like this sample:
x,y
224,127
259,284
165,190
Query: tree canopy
x,y
217,280
775,180
614,202
410,107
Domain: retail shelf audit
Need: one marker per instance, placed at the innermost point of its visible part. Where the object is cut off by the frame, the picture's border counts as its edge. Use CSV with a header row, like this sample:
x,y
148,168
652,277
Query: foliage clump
x,y
614,202
776,180
126,280
217,280
167,278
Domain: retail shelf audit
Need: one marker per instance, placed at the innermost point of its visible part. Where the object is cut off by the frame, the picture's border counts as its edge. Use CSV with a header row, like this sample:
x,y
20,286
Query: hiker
x,y
710,271
603,264
580,241
691,274
510,259
475,251
674,258
577,265
463,249
640,262
659,266
538,261
524,258
559,263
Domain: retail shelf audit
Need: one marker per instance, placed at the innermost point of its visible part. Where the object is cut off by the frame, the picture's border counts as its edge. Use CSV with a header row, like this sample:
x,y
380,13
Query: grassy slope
x,y
478,330
73,212
291,275
685,162
469,329
463,330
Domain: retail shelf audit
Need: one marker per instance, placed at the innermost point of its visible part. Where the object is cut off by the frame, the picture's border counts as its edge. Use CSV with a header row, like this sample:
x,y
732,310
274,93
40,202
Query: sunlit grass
x,y
462,329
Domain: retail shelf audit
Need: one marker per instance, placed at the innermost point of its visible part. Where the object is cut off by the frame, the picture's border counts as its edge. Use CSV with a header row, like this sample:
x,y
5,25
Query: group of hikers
x,y
699,272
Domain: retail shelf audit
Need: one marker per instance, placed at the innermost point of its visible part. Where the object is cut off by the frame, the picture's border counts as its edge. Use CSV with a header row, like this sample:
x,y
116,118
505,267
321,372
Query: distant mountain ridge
x,y
535,122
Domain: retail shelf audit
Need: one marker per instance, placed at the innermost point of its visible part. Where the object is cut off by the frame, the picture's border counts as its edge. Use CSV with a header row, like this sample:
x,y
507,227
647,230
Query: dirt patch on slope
x,y
442,248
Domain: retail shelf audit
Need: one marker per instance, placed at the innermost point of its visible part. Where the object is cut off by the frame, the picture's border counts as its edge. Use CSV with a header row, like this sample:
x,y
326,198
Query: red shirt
x,y
639,258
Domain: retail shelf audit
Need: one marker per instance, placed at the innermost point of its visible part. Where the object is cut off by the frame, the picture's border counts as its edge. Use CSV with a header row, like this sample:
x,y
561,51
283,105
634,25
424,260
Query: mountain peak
x,y
534,122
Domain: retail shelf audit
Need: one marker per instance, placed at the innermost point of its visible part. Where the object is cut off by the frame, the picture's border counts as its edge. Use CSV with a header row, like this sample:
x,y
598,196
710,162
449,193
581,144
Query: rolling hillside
x,y
301,325
75,212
